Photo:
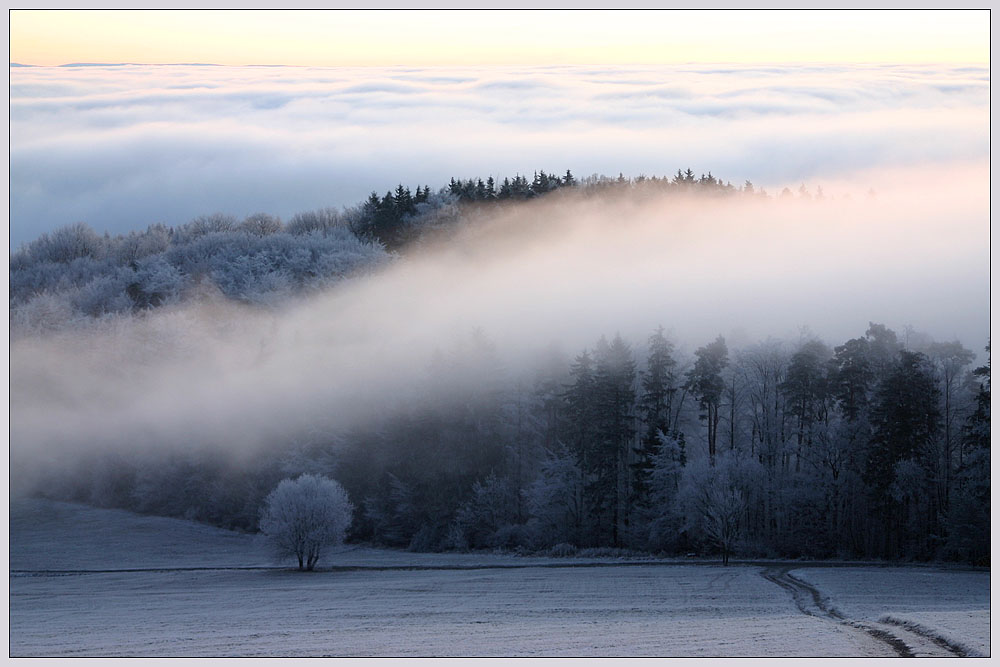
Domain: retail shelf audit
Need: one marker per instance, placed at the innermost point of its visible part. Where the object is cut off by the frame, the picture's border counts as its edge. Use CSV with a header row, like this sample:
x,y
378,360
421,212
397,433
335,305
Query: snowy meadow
x,y
119,584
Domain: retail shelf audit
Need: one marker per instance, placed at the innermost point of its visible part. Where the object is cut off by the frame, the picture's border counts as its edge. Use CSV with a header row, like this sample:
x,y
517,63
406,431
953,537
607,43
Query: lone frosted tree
x,y
302,516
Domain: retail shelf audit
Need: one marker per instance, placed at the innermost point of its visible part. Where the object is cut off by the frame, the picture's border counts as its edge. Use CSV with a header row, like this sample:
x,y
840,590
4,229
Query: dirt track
x,y
906,642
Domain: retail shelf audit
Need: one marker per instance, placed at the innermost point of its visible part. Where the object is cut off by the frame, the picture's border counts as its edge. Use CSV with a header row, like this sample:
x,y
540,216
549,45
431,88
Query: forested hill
x,y
73,274
877,446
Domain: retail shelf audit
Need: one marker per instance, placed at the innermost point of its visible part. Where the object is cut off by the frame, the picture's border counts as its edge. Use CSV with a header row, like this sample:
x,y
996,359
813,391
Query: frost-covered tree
x,y
705,382
302,516
556,501
969,512
614,390
66,244
664,523
659,385
321,220
714,500
481,521
260,224
805,388
906,418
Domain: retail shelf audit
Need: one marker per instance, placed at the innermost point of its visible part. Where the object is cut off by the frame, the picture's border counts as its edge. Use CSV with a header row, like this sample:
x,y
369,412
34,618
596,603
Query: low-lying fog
x,y
559,271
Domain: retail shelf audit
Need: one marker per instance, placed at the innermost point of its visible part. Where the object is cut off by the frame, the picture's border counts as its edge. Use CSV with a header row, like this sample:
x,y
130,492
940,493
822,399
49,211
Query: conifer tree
x,y
705,382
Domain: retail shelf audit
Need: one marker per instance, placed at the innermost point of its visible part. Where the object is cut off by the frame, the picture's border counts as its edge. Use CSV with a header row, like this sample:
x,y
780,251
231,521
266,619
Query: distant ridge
x,y
153,65
139,64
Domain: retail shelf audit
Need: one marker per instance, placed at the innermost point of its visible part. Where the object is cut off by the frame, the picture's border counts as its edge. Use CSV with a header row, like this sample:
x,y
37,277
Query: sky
x,y
452,37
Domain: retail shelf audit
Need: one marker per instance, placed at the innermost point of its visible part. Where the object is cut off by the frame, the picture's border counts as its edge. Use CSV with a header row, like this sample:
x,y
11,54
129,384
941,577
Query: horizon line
x,y
797,63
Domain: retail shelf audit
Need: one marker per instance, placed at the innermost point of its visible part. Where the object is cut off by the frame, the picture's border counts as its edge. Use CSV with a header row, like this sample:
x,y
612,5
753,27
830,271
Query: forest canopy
x,y
73,273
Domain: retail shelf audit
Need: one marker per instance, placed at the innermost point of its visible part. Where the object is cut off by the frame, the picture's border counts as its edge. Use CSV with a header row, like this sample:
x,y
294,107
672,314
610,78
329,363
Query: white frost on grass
x,y
682,610
47,535
50,535
943,626
951,604
158,609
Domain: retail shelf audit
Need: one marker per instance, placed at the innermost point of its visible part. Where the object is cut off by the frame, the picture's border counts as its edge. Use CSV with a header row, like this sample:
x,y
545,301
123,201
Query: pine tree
x,y
906,418
614,381
969,510
659,385
854,378
806,388
403,203
705,382
580,409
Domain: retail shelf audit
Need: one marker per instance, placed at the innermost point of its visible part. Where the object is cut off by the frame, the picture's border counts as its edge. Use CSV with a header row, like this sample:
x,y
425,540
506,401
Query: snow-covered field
x,y
954,606
99,582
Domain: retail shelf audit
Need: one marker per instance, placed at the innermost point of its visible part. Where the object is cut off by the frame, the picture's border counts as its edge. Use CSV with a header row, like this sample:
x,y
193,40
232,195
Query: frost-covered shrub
x,y
137,245
156,283
608,552
204,225
250,277
483,520
393,514
510,537
47,276
561,550
261,268
307,222
66,244
555,501
714,500
253,261
303,516
44,312
663,523
260,224
105,294
428,538
28,280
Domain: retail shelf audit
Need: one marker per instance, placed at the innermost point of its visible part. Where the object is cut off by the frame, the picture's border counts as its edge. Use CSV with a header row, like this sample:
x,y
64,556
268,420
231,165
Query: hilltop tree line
x,y
74,275
869,449
399,217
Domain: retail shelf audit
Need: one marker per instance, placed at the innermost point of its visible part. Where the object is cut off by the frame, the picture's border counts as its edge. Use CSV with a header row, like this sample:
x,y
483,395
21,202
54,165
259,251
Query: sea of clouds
x,y
121,147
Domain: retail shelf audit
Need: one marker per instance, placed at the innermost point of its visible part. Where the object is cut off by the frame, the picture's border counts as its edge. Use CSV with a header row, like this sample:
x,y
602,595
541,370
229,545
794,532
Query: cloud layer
x,y
120,147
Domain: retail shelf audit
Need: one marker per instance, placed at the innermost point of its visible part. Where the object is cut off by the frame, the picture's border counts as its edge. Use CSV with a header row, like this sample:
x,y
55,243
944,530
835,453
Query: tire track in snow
x,y
916,628
904,641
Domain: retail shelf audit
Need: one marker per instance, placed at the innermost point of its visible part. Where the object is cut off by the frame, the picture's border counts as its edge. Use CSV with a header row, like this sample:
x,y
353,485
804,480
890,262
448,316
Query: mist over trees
x,y
73,275
815,452
875,447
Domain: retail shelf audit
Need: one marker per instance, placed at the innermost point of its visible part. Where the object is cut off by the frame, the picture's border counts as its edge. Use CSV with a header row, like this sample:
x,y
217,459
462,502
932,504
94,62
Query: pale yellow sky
x,y
452,37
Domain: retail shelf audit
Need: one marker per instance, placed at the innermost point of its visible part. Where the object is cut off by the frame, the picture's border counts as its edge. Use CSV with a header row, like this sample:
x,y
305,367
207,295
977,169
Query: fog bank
x,y
561,270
